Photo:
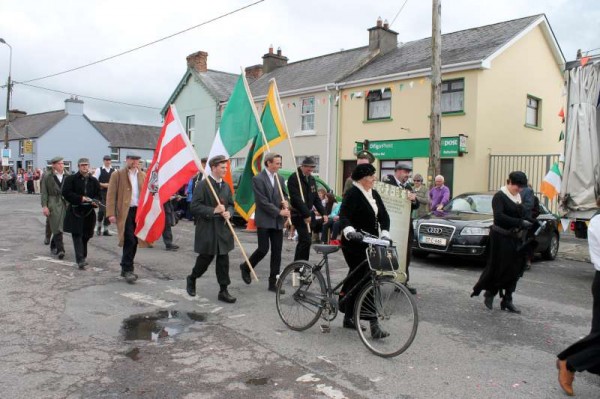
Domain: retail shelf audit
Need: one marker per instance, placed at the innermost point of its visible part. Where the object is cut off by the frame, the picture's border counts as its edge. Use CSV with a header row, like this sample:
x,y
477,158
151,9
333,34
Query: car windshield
x,y
474,203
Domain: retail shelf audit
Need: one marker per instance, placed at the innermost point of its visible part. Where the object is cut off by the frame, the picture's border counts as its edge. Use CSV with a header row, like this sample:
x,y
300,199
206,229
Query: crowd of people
x,y
23,181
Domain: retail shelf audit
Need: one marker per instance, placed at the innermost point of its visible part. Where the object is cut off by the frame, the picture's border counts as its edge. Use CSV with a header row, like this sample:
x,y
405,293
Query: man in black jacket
x,y
303,197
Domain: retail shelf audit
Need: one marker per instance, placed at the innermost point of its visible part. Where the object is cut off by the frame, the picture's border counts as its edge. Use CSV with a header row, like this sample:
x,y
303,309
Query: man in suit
x,y
54,205
102,174
271,212
122,199
213,236
400,179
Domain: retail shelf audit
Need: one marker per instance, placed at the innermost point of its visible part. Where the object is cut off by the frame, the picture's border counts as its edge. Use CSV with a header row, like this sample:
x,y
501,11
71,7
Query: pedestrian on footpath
x,y
122,199
213,236
103,174
584,355
54,205
270,215
422,195
439,195
81,190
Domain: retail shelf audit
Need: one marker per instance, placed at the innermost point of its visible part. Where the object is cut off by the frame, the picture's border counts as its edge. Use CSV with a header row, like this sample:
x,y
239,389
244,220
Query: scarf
x,y
368,195
514,198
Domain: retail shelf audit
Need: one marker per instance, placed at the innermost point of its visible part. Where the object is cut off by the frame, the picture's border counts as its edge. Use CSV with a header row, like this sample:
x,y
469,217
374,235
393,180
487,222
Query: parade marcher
x,y
81,190
302,199
506,260
400,179
362,157
270,215
439,195
213,236
170,220
122,197
102,174
584,355
362,210
422,194
54,205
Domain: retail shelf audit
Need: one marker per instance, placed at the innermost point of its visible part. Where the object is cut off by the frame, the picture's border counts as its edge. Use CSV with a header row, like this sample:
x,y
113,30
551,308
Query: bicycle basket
x,y
382,258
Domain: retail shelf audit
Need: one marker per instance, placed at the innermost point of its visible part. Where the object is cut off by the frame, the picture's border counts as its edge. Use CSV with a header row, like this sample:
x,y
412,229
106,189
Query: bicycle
x,y
303,296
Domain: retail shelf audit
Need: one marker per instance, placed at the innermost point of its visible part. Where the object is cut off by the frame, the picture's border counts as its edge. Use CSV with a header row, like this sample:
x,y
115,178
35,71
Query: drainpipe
x,y
328,147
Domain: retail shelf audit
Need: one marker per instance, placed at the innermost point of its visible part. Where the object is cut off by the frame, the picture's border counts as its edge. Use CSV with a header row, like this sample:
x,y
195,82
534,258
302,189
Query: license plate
x,y
433,240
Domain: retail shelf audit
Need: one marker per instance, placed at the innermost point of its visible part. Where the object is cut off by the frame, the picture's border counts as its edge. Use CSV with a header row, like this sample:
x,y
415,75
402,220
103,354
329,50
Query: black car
x,y
463,228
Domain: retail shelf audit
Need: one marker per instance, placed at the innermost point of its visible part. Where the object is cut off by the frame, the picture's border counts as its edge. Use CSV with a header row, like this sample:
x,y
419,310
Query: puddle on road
x,y
258,381
158,325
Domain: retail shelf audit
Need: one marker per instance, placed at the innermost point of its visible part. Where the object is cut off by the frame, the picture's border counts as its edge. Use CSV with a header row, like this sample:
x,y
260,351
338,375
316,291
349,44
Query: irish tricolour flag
x,y
550,186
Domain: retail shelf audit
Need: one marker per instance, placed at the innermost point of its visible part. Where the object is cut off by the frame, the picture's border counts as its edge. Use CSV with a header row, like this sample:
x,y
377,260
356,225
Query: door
x,y
447,170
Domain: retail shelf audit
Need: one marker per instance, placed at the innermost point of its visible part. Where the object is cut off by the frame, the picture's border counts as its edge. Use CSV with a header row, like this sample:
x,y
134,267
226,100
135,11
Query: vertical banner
x,y
398,207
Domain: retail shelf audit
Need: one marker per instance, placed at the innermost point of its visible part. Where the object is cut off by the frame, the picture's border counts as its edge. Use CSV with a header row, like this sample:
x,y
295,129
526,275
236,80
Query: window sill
x,y
378,120
457,113
533,127
305,133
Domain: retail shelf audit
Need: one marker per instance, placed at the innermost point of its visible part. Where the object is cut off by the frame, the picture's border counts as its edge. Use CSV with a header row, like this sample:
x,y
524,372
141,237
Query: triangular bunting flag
x,y
562,136
584,60
564,224
561,113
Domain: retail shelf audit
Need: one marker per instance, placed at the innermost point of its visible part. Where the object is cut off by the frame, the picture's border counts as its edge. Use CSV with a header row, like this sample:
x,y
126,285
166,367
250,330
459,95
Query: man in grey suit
x,y
271,212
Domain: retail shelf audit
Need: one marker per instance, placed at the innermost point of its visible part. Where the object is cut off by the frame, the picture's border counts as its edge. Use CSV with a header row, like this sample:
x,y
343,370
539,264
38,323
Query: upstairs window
x,y
308,114
453,96
190,125
379,104
114,154
532,116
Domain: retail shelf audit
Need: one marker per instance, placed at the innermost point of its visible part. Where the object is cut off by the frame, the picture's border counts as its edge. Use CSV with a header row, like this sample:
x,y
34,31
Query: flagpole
x,y
291,146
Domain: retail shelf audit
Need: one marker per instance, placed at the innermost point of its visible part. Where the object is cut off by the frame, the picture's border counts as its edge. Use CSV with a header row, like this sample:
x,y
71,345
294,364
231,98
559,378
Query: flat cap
x,y
364,154
56,159
83,160
107,158
219,159
309,161
133,155
403,166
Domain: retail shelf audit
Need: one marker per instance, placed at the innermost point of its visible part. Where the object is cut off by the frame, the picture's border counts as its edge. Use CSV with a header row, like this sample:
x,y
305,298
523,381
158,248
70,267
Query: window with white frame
x,y
21,148
532,117
453,95
379,104
315,157
190,125
237,162
308,114
114,154
389,167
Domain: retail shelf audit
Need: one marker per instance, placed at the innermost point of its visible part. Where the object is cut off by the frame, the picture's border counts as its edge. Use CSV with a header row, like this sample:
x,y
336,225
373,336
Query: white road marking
x,y
323,358
237,316
137,296
97,269
308,378
52,260
330,392
215,310
146,281
180,292
4,249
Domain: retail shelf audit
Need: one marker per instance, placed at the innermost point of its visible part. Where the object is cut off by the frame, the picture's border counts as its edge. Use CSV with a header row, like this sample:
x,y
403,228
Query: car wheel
x,y
420,254
552,250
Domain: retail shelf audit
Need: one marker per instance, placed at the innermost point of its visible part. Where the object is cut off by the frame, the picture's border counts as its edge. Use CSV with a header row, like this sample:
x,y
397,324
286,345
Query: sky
x,y
53,36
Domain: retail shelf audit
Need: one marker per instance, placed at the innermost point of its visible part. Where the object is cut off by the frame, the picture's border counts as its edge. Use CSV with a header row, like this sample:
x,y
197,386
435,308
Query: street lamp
x,y
8,87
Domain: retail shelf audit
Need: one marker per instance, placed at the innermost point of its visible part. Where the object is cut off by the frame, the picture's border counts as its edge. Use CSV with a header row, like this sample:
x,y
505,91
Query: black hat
x,y
216,160
309,161
133,155
362,170
107,158
403,166
518,178
364,154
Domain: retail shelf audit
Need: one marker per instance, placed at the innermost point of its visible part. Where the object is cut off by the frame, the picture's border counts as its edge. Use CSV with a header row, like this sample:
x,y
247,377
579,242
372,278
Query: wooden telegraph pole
x,y
435,119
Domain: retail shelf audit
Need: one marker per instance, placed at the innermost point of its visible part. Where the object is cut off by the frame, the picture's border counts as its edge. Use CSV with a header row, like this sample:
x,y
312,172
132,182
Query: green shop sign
x,y
415,148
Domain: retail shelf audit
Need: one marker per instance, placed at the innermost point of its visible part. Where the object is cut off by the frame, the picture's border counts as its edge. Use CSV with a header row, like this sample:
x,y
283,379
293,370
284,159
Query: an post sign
x,y
28,147
415,148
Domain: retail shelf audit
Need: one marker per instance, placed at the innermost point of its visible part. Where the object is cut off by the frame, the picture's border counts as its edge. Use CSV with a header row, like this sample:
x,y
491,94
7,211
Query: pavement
x,y
573,248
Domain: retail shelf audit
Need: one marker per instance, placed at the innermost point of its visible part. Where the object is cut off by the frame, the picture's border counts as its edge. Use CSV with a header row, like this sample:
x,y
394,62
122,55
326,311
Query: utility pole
x,y
435,118
8,87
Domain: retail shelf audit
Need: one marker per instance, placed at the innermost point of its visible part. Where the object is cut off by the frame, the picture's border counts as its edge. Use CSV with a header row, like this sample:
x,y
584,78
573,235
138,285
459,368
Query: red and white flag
x,y
174,163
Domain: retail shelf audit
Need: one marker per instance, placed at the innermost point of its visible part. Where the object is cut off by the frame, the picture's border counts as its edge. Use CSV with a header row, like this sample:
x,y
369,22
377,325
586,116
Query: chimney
x,y
15,114
254,72
74,106
198,61
381,38
273,61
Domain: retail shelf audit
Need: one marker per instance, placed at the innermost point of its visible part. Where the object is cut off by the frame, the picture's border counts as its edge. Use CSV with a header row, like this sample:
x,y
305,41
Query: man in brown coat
x,y
124,190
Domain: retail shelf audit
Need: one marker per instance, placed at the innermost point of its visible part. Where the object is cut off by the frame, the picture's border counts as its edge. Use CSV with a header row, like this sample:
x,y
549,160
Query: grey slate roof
x,y
311,72
219,83
466,45
125,135
32,126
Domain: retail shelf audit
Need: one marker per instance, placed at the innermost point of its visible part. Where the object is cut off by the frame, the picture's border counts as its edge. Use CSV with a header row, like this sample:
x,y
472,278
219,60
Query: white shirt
x,y
271,177
97,172
59,176
135,190
594,241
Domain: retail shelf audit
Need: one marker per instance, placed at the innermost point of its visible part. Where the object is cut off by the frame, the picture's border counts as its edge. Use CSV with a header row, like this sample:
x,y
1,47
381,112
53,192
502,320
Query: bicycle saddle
x,y
325,249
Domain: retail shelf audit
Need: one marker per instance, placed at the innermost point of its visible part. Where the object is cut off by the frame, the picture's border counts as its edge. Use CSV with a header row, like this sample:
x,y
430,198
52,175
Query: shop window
x,y
387,167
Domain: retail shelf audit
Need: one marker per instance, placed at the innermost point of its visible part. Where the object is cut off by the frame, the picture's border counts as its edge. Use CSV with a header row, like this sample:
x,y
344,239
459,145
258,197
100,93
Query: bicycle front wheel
x,y
392,312
300,295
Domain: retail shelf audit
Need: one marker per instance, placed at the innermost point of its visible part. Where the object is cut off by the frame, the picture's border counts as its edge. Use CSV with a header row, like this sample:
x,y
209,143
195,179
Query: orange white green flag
x,y
550,186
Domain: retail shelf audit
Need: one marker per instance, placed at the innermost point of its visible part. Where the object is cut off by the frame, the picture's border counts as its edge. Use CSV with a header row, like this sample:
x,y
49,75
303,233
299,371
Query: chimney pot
x,y
379,22
386,24
271,49
278,50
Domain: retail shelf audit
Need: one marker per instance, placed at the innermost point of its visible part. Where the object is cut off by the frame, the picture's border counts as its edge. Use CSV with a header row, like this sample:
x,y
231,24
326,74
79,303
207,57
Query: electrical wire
x,y
145,45
398,13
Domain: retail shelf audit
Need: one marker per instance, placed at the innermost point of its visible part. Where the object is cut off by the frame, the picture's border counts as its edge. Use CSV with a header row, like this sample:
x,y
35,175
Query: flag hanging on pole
x,y
274,133
174,163
238,126
550,186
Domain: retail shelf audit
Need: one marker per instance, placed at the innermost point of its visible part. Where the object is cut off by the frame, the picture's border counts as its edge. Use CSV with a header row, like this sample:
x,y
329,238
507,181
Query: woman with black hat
x,y
362,211
506,260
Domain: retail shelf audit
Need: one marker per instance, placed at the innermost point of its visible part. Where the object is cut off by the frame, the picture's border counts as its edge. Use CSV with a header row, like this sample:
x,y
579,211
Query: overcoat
x,y
80,217
118,198
213,236
51,196
301,209
268,200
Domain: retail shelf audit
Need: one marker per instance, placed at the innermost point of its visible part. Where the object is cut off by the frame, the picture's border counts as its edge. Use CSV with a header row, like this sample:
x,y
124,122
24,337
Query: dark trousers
x,y
275,238
222,268
167,235
56,243
48,230
304,239
355,258
80,243
102,210
334,227
129,241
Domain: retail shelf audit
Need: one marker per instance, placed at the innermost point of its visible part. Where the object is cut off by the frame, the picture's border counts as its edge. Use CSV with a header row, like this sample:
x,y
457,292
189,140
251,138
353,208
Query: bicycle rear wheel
x,y
395,310
302,303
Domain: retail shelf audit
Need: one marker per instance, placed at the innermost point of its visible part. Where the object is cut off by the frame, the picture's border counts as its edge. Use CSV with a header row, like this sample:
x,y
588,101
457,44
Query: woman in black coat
x,y
507,255
361,210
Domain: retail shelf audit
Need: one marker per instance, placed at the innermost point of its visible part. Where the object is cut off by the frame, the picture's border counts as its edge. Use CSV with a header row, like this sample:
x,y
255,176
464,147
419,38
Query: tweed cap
x,y
133,155
106,158
219,159
56,159
403,166
309,161
83,160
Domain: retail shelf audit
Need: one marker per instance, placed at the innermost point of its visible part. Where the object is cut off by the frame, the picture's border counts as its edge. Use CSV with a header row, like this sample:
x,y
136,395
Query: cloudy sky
x,y
53,36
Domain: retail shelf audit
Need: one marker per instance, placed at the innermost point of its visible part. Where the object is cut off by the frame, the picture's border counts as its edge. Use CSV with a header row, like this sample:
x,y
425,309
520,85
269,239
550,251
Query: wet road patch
x,y
159,325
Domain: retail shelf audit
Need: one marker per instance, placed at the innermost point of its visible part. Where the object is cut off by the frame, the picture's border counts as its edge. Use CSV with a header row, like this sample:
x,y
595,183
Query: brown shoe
x,y
565,377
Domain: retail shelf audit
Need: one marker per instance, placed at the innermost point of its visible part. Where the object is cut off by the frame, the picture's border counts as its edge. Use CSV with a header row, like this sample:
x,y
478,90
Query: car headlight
x,y
475,231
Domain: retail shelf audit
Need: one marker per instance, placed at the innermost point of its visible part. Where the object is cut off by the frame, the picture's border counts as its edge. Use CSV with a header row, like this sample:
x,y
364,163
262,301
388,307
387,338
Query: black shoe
x,y
130,277
82,265
61,254
46,241
106,233
377,332
190,286
488,301
98,231
349,323
412,290
224,296
172,247
245,273
273,288
508,305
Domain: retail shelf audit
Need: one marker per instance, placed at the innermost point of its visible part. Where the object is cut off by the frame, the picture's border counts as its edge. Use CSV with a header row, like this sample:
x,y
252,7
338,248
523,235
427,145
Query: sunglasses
x,y
418,180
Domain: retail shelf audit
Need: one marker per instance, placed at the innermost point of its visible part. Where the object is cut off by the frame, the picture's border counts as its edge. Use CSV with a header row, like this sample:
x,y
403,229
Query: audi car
x,y
462,228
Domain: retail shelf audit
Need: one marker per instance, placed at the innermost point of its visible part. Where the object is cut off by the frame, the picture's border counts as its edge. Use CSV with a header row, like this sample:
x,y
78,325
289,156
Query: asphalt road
x,y
70,334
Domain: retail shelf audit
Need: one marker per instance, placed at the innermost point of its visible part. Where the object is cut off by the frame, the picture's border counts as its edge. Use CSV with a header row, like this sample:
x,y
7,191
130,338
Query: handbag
x,y
383,258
